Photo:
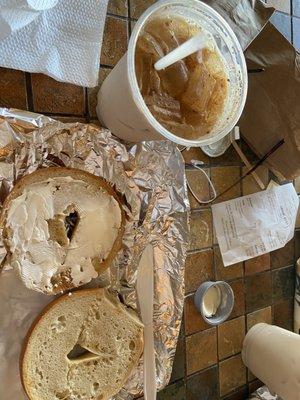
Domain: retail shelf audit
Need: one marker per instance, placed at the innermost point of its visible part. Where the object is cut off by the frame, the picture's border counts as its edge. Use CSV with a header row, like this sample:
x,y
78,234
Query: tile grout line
x,y
29,94
129,18
121,17
53,115
245,295
106,66
292,24
185,357
244,283
86,105
218,361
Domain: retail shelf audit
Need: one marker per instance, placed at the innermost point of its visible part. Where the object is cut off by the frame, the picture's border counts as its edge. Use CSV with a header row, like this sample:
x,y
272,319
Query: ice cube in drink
x,y
188,97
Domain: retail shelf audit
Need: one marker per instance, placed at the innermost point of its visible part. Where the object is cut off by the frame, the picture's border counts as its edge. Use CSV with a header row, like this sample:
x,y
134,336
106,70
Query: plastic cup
x,y
121,107
227,301
273,355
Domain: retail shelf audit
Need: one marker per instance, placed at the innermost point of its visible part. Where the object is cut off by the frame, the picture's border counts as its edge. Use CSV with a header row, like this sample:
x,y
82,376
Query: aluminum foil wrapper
x,y
263,393
151,178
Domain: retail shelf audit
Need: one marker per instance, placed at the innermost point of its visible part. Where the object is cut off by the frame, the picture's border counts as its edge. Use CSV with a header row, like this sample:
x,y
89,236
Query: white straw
x,y
192,45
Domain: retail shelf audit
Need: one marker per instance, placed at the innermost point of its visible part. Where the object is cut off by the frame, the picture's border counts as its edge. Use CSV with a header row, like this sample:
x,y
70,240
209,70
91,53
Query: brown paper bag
x,y
245,17
272,109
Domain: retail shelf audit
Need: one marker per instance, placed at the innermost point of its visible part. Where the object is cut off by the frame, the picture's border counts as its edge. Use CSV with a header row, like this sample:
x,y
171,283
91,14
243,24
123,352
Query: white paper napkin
x,y
63,42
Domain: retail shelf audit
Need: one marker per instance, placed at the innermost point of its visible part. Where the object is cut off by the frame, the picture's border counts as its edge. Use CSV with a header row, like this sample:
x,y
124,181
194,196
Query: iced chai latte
x,y
188,97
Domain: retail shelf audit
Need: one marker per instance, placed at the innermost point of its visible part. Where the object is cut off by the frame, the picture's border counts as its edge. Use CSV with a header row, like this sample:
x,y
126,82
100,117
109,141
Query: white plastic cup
x,y
273,355
121,107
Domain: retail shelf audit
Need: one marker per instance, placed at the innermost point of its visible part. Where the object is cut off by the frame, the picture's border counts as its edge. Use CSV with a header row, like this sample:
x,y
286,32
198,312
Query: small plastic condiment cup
x,y
227,301
121,107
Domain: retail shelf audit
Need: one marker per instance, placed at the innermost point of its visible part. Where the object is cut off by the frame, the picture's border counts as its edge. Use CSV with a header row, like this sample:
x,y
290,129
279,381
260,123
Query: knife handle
x,y
149,364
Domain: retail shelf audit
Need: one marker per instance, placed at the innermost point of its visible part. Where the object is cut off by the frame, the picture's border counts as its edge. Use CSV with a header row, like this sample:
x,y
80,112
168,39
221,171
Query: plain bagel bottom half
x,y
83,346
62,180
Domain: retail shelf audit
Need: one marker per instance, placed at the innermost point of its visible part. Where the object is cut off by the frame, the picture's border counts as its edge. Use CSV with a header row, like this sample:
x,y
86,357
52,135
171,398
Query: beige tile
x,y
232,374
137,7
201,230
230,337
250,185
198,269
193,319
195,153
118,7
55,97
280,5
114,41
198,187
257,264
12,88
263,315
239,298
227,273
222,178
201,350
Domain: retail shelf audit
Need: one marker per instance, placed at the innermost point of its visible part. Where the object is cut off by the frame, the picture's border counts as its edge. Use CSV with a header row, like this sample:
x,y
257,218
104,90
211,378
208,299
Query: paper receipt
x,y
252,225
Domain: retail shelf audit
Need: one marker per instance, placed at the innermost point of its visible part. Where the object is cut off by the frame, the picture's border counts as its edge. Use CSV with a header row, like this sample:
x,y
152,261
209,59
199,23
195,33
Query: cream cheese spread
x,y
40,254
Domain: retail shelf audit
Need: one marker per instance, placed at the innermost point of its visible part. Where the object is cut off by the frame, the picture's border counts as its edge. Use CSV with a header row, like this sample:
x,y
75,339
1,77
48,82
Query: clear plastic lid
x,y
205,17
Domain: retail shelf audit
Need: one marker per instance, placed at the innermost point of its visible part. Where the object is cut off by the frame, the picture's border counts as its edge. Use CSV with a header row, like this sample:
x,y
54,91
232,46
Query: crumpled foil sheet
x,y
263,393
151,177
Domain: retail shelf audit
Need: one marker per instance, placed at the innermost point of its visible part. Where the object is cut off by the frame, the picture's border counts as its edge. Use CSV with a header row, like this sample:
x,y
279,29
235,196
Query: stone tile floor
x,y
207,363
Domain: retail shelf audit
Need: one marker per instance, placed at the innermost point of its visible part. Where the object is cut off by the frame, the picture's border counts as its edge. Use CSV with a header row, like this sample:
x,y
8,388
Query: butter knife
x,y
145,294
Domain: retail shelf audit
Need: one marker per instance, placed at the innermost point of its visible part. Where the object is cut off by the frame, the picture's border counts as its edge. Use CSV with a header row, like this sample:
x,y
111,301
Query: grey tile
x,y
179,361
203,385
297,244
284,314
284,256
240,394
173,392
253,386
181,331
258,291
296,33
283,283
283,23
296,7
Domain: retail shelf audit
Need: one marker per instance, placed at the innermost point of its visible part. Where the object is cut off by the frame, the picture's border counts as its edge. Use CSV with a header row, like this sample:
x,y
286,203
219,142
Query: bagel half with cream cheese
x,y
83,346
62,227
